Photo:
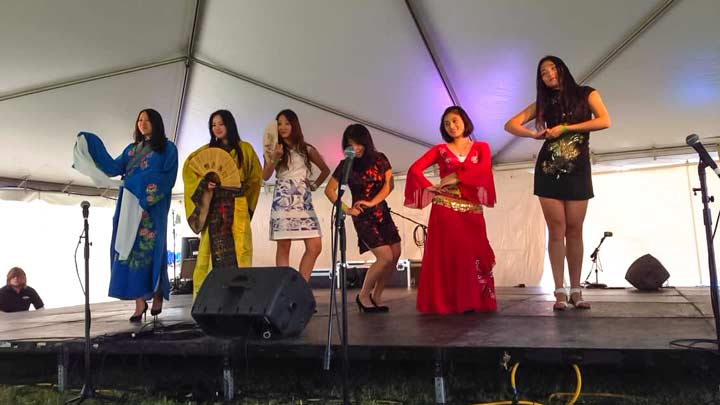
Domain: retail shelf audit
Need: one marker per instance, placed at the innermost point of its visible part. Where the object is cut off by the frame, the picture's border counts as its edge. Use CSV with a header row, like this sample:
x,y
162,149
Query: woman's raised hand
x,y
277,152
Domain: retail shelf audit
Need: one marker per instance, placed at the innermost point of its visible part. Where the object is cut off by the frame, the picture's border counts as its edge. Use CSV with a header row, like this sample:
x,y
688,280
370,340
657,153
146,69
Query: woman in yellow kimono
x,y
221,214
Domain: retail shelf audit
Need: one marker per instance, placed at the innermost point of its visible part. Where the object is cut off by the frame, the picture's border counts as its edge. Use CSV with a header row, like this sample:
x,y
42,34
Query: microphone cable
x,y
77,270
334,268
420,231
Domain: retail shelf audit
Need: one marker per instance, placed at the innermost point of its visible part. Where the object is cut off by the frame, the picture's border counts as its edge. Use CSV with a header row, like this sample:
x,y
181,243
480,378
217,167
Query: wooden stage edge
x,y
623,325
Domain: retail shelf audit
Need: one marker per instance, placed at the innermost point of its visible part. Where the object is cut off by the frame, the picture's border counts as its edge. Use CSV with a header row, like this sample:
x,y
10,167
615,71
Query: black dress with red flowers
x,y
374,226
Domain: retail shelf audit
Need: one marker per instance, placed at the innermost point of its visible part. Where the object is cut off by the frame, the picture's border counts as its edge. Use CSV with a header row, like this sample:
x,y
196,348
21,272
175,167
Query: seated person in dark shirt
x,y
16,295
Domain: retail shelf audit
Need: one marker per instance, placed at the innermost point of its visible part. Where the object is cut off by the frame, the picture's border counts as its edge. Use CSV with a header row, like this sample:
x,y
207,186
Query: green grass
x,y
46,394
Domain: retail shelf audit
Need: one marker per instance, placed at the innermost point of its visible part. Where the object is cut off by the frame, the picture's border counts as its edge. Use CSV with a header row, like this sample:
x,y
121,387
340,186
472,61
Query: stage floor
x,y
620,320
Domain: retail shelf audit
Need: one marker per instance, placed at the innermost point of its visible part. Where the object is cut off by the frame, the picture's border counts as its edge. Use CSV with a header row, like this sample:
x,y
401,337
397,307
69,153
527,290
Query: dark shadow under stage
x,y
624,326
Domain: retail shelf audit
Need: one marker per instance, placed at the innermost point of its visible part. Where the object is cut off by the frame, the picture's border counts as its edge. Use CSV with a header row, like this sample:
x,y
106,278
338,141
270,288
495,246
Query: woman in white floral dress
x,y
292,216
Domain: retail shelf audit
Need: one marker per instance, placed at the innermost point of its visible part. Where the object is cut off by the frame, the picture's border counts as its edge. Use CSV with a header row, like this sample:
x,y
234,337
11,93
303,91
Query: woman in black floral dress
x,y
370,182
564,115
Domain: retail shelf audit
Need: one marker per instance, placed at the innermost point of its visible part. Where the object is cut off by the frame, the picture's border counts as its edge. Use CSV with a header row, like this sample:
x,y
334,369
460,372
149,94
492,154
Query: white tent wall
x,y
648,211
41,238
516,230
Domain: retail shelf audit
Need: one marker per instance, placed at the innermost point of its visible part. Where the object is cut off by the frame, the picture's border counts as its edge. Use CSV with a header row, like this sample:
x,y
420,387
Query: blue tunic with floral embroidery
x,y
149,176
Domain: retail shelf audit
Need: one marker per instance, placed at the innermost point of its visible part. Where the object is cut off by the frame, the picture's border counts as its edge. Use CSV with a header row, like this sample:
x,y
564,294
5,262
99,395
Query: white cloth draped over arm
x,y
128,224
84,163
130,210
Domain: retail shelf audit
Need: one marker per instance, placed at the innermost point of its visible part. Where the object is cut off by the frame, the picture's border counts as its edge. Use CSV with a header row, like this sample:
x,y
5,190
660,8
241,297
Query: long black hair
x,y
359,134
568,96
158,139
296,139
467,122
233,137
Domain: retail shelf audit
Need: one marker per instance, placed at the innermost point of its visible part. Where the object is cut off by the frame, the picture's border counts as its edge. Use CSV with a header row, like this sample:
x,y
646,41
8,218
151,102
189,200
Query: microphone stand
x,y
707,220
597,265
87,390
339,241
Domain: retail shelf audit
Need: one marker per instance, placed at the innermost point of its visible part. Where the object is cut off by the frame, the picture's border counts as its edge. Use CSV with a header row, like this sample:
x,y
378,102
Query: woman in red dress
x,y
456,273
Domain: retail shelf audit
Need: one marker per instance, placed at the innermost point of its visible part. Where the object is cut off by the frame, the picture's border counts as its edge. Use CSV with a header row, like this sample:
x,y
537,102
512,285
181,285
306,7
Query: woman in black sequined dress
x,y
370,182
565,113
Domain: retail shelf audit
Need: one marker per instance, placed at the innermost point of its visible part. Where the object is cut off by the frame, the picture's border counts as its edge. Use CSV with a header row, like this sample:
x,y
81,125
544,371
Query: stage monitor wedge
x,y
268,302
647,273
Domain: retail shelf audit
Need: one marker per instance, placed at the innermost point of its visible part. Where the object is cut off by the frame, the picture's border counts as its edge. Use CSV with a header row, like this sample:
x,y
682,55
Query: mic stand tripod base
x,y
149,328
594,285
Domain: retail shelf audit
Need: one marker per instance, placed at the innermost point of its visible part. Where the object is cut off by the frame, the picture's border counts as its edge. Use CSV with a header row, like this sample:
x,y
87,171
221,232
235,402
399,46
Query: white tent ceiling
x,y
391,64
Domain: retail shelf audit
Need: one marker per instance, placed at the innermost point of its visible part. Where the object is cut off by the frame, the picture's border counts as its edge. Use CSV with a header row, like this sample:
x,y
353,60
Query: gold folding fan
x,y
216,160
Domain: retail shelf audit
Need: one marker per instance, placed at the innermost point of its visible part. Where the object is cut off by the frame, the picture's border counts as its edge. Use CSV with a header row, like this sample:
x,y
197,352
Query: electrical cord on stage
x,y
576,394
77,270
420,231
180,331
578,386
690,345
597,395
514,401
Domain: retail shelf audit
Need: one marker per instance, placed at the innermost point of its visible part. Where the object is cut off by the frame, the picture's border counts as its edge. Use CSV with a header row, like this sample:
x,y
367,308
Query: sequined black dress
x,y
375,226
562,170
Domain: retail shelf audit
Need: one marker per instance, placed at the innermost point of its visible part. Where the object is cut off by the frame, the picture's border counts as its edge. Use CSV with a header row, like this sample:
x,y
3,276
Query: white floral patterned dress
x,y
292,215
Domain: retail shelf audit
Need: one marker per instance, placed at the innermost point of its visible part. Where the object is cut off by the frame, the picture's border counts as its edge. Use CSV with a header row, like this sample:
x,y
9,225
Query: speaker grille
x,y
647,273
257,301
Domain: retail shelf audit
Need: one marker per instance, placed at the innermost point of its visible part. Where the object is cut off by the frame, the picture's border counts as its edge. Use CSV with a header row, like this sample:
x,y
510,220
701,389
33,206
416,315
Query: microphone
x,y
595,252
694,141
85,208
349,156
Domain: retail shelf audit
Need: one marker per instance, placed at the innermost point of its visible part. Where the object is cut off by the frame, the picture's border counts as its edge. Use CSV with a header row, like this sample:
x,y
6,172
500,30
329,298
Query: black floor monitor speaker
x,y
647,273
268,302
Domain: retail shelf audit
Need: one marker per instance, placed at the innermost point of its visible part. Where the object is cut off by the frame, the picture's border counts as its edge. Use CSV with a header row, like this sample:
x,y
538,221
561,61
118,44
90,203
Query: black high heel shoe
x,y
156,312
139,317
381,308
363,308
